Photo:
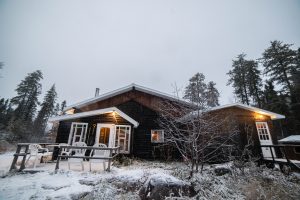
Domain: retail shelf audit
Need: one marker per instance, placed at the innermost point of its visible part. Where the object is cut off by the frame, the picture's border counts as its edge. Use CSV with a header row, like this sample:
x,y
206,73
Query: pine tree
x,y
196,90
27,99
63,105
212,95
56,110
46,111
254,82
238,79
272,100
26,103
279,62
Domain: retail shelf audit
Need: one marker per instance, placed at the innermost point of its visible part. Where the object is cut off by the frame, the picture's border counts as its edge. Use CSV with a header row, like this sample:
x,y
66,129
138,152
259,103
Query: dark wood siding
x,y
147,118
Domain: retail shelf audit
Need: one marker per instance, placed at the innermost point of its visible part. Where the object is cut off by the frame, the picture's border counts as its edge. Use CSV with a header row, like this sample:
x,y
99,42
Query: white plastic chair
x,y
99,153
64,151
78,152
34,152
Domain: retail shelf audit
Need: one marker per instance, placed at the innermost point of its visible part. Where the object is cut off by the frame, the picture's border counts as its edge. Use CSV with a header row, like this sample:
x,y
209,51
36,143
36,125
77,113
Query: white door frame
x,y
265,138
112,133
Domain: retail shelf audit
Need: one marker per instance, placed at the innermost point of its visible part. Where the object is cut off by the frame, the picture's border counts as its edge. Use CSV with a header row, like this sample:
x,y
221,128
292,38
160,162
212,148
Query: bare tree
x,y
200,136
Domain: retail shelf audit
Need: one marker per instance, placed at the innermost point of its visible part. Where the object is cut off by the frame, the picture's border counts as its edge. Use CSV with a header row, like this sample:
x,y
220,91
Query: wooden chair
x,y
78,152
99,153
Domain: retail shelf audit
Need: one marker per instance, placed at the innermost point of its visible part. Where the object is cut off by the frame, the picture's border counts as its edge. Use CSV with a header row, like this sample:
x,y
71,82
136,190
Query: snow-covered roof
x,y
122,90
95,112
272,115
291,138
251,108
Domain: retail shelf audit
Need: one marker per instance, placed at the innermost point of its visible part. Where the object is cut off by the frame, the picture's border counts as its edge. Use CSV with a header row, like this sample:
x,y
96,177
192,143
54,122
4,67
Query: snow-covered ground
x,y
125,182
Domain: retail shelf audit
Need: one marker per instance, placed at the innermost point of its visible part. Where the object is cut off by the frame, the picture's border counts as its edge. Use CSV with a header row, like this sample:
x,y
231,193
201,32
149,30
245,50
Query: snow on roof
x,y
122,90
291,138
272,115
251,108
94,112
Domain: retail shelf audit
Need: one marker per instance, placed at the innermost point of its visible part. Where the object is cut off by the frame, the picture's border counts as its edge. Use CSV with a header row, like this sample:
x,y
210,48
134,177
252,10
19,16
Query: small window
x,y
157,136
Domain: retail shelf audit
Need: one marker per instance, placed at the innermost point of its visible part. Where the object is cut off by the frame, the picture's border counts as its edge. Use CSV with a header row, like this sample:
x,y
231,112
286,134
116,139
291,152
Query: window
x,y
122,138
157,136
77,132
262,130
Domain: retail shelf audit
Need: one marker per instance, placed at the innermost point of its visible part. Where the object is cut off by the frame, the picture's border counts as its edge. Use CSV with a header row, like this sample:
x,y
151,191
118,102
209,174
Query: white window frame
x,y
162,135
84,127
129,139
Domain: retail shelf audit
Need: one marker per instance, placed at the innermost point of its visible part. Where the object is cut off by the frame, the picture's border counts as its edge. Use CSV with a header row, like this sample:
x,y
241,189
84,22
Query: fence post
x,y
13,164
57,160
109,160
24,157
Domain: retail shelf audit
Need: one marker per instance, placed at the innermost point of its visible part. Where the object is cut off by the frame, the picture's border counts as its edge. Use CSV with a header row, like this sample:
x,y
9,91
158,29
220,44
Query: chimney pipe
x,y
97,92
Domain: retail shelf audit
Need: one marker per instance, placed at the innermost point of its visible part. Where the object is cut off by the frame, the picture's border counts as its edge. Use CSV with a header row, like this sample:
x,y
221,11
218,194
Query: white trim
x,y
95,112
126,126
111,133
82,134
122,90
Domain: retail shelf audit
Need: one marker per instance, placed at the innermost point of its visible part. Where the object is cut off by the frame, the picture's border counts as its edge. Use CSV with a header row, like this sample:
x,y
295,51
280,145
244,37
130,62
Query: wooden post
x,y
57,160
24,158
109,160
13,164
272,155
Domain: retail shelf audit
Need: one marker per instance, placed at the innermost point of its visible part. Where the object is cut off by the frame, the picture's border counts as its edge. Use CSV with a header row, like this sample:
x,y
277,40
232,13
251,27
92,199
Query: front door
x,y
105,134
265,139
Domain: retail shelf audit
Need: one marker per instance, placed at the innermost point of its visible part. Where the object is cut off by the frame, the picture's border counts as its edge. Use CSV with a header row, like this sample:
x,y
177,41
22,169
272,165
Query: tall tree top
x,y
279,62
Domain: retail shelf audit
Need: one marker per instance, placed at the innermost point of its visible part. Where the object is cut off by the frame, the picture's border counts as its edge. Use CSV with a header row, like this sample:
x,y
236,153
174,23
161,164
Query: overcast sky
x,y
81,45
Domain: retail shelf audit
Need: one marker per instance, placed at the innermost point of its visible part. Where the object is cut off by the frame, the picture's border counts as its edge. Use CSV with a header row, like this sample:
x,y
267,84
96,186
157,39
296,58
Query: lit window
x,y
157,136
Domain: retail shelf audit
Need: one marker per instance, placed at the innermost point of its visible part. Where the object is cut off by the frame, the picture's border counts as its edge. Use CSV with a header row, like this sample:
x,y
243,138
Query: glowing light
x,y
70,112
259,116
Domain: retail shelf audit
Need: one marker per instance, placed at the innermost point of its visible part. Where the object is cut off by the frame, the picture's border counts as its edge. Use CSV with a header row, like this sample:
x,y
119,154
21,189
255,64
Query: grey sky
x,y
81,45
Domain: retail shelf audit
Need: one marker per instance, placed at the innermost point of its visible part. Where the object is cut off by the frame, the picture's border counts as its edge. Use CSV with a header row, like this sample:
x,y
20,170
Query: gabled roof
x,y
95,112
122,90
272,115
290,139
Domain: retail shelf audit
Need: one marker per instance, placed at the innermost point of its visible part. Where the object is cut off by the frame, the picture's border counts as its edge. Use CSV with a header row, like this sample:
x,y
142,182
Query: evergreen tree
x,y
63,105
46,111
254,82
56,110
212,95
26,103
279,62
27,99
238,79
196,90
272,100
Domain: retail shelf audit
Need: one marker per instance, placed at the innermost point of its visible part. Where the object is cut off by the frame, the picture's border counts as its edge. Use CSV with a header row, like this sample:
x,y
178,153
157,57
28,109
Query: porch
x,y
46,161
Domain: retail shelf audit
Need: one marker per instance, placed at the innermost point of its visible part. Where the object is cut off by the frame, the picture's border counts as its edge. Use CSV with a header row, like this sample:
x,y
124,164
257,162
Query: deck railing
x,y
23,151
285,157
113,152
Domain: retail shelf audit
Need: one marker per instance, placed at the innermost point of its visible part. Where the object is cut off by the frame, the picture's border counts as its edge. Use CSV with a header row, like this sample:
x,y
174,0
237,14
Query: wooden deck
x,y
23,151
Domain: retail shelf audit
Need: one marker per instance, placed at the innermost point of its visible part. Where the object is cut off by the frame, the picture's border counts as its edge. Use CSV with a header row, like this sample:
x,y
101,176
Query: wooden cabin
x,y
261,126
128,117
